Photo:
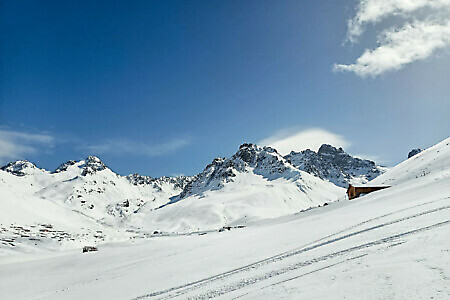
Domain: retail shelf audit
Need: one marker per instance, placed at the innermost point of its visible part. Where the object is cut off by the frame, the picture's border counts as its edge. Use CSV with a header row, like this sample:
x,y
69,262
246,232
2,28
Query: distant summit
x,y
63,167
250,158
92,165
20,168
335,165
89,166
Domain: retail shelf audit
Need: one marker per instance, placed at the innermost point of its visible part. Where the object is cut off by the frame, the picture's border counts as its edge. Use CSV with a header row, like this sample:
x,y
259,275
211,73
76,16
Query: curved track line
x,y
178,290
255,279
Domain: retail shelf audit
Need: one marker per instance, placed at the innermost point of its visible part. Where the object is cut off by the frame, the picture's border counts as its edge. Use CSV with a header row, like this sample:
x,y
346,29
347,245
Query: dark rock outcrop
x,y
414,152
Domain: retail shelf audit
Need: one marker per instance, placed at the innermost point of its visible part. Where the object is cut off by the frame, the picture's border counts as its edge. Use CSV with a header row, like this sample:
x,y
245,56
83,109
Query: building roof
x,y
369,185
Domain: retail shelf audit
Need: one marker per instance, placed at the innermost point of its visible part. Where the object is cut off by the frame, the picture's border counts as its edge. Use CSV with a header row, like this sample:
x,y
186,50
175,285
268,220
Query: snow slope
x,y
245,200
88,187
80,203
17,204
390,244
433,162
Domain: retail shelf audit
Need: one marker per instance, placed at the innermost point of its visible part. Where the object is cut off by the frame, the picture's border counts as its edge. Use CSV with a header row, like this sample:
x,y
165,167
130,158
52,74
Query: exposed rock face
x,y
414,152
334,165
137,179
264,161
89,166
214,176
63,167
20,167
179,182
92,165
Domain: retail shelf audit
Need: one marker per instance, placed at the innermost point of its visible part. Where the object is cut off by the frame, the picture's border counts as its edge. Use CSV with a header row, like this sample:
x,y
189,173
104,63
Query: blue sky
x,y
163,87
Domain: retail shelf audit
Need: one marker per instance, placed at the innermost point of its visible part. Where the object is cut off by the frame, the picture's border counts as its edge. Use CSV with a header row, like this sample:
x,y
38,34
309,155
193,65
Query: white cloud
x,y
16,145
426,29
124,146
399,47
289,140
373,11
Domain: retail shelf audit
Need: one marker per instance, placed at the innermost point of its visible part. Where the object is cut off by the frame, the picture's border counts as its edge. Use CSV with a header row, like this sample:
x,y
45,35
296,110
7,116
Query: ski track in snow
x,y
183,289
307,273
252,280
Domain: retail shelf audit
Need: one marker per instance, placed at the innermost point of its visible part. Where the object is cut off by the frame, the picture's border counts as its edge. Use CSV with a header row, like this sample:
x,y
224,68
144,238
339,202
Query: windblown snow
x,y
252,226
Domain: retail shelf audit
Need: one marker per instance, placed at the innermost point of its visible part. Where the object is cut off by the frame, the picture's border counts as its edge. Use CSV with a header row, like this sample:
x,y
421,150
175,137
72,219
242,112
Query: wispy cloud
x,y
125,146
17,144
288,140
401,45
374,11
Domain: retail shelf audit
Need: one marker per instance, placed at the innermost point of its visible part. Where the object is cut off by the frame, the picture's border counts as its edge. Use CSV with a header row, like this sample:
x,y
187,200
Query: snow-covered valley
x,y
253,226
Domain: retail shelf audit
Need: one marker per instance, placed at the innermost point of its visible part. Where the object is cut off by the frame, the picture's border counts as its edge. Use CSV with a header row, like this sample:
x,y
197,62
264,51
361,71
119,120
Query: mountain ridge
x,y
335,165
328,163
273,184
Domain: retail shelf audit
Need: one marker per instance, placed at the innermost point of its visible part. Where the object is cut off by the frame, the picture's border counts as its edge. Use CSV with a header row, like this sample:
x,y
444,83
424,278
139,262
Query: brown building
x,y
354,191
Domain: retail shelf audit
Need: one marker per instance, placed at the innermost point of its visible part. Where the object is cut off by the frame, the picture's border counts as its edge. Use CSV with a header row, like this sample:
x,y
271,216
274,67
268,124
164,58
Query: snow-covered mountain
x,y
253,184
391,243
22,168
334,165
262,161
92,188
84,202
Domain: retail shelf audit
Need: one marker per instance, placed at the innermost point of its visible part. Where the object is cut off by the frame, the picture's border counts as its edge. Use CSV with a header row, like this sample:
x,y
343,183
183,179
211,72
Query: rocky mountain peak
x,y
63,167
265,161
251,153
247,152
92,159
335,165
92,164
327,149
19,167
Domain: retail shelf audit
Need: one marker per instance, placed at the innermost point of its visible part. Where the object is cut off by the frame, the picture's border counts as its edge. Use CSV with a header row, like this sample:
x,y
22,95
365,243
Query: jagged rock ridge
x,y
328,163
20,168
334,165
264,161
178,182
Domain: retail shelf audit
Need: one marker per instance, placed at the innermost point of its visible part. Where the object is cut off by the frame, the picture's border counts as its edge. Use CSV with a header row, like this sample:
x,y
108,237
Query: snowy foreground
x,y
391,244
